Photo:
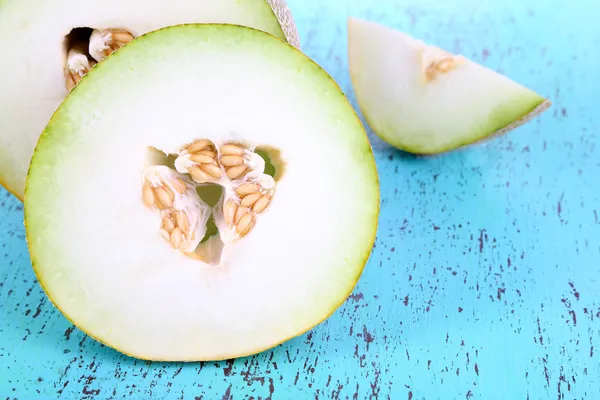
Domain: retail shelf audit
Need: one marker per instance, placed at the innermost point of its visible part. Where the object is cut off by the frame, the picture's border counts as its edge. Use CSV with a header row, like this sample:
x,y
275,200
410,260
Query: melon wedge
x,y
206,192
36,37
425,100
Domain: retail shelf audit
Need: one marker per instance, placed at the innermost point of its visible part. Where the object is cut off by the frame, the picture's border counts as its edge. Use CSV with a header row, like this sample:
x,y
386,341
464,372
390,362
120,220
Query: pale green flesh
x,y
96,249
457,108
31,38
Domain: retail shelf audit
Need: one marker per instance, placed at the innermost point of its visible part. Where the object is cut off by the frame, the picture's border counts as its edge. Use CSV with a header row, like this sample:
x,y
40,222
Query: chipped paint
x,y
484,278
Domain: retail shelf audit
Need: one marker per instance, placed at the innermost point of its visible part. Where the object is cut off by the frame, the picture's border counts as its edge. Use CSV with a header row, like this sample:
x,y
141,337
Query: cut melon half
x,y
206,192
425,100
48,45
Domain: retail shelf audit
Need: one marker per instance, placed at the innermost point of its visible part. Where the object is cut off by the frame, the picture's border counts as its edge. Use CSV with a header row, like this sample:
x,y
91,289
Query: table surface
x,y
484,280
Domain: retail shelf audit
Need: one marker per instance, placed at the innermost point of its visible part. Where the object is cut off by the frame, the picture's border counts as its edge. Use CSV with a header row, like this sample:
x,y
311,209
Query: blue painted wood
x,y
484,280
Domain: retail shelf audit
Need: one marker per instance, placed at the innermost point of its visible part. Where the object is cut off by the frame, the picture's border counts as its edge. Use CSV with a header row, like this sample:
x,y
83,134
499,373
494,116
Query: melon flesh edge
x,y
96,249
457,108
31,36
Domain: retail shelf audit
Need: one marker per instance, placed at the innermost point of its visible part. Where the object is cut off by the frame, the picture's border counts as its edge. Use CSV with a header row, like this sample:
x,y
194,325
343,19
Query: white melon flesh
x,y
422,114
32,34
96,248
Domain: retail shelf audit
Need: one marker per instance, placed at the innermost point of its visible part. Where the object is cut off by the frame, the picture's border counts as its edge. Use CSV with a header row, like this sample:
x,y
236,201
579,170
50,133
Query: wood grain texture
x,y
485,276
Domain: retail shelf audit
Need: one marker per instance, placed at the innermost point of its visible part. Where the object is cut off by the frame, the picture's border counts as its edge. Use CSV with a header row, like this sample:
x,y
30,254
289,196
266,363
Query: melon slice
x,y
425,100
48,45
206,192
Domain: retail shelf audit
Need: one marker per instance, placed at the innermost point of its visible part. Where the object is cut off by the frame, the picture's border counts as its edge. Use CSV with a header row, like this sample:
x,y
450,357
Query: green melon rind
x,y
389,135
35,189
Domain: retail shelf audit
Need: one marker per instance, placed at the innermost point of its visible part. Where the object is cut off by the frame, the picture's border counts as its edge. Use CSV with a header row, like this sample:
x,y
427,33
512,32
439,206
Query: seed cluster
x,y
161,196
240,213
200,160
232,159
103,42
76,66
83,56
248,190
176,228
181,221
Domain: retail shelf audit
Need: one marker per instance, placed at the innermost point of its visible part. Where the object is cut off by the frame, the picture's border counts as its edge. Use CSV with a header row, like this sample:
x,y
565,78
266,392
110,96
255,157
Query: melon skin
x,y
286,21
102,264
464,106
31,36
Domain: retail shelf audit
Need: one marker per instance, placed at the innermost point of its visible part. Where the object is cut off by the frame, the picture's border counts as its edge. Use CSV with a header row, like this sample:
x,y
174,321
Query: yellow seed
x,y
229,211
182,221
246,189
249,200
445,65
212,169
164,197
198,175
70,80
245,224
202,158
210,153
176,238
430,72
231,161
148,195
121,36
236,172
168,224
198,145
165,235
239,213
232,149
180,185
262,204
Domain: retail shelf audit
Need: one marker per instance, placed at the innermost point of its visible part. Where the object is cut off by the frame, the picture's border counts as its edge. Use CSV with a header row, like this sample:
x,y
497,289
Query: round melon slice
x,y
206,192
425,100
48,45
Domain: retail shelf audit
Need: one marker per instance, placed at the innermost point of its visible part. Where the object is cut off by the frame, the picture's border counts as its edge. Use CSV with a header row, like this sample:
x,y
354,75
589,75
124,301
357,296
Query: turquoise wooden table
x,y
485,277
